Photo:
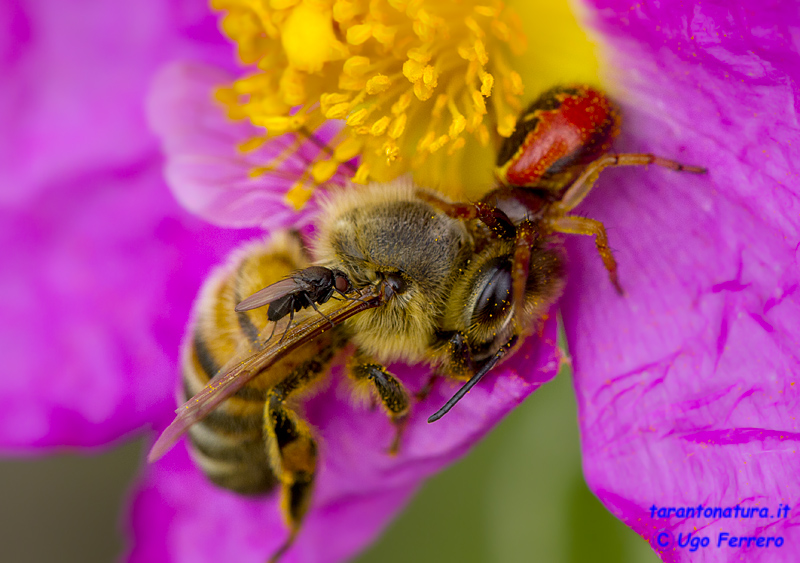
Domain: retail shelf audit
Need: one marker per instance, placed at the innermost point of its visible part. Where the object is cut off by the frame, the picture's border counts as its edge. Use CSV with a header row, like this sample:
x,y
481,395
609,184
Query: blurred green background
x,y
518,496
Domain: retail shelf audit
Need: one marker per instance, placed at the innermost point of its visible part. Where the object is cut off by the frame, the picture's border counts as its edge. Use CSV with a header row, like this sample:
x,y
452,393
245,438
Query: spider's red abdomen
x,y
557,136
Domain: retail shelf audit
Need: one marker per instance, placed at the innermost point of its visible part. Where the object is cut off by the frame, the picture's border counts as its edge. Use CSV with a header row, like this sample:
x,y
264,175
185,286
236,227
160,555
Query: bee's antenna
x,y
473,380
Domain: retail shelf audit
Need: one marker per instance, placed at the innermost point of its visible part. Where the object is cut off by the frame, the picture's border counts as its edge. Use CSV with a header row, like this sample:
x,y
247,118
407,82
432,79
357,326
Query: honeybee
x,y
420,279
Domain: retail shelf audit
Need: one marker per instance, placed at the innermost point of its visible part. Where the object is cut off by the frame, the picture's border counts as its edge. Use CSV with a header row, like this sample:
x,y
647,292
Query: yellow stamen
x,y
388,68
282,4
479,103
358,34
323,170
487,81
398,126
378,84
348,149
362,174
299,194
356,66
344,11
358,117
251,144
379,127
384,34
308,38
390,150
339,111
278,125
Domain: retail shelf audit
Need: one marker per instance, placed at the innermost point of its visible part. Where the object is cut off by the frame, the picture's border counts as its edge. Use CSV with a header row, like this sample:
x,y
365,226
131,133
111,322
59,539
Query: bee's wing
x,y
269,294
226,383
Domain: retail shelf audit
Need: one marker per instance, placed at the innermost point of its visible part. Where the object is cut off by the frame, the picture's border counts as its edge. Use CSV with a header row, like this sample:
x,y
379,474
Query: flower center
x,y
411,79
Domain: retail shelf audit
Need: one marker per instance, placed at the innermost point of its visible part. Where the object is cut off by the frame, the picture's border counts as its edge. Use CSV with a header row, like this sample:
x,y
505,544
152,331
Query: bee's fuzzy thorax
x,y
368,231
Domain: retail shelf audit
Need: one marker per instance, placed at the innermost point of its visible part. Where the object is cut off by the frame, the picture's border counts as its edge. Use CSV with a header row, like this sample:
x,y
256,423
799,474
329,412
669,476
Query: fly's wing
x,y
229,381
271,293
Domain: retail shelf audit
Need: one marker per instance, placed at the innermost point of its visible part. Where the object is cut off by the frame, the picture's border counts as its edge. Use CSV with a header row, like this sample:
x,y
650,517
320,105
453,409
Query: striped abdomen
x,y
228,445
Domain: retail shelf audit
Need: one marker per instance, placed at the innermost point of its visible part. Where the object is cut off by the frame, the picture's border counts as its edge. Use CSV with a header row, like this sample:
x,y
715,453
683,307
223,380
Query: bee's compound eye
x,y
340,282
495,296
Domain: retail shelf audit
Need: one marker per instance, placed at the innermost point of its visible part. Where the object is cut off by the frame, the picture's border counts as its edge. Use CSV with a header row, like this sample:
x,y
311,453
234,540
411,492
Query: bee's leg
x,y
459,363
291,448
484,369
581,187
583,226
391,392
491,216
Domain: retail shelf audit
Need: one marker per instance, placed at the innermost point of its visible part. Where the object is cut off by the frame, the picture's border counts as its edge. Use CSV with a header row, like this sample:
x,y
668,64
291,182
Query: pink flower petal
x,y
99,264
686,386
75,76
97,279
208,174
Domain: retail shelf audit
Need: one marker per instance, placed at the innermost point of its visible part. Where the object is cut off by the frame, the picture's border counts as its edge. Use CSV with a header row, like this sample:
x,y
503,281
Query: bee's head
x,y
482,304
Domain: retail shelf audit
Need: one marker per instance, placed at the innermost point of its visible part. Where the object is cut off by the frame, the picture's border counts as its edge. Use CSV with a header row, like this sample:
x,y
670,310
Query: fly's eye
x,y
495,296
340,282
